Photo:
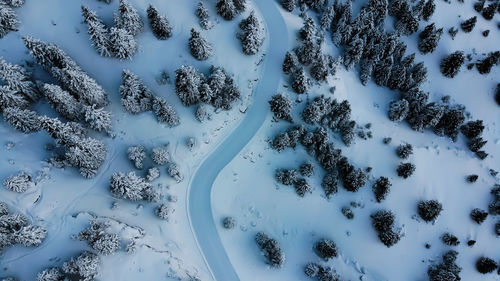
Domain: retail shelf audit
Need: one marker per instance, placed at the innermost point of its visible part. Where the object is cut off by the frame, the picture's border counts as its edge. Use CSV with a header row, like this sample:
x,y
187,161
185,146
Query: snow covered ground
x,y
194,243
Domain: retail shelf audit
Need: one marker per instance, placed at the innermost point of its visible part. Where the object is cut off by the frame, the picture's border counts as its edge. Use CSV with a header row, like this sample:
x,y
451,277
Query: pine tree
x,y
290,63
159,24
320,69
271,249
251,35
428,10
10,98
366,71
449,125
135,96
127,18
99,238
164,212
98,118
130,186
17,79
84,267
429,39
137,154
450,65
63,102
382,71
50,274
164,112
199,47
88,154
308,30
468,25
307,52
63,133
123,44
8,20
381,188
383,222
49,55
98,32
187,83
281,106
429,210
160,155
14,3
23,120
240,5
289,5
327,18
326,249
353,52
300,82
489,12
484,66
226,9
203,16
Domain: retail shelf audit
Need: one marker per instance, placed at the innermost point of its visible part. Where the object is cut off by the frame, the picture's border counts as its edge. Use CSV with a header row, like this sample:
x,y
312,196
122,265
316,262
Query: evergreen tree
x,y
135,96
307,52
173,171
164,212
123,44
383,222
289,5
82,86
405,170
23,120
468,25
127,18
381,188
164,112
251,35
199,47
88,154
428,10
450,65
203,16
300,82
320,69
84,267
97,118
240,5
10,98
137,154
8,20
281,106
99,34
308,30
49,55
187,83
484,66
99,239
449,125
130,186
63,102
489,12
429,210
17,79
353,52
366,70
447,270
382,71
485,265
271,249
14,3
429,39
160,155
327,18
290,62
159,24
326,249
63,133
398,110
226,9
50,274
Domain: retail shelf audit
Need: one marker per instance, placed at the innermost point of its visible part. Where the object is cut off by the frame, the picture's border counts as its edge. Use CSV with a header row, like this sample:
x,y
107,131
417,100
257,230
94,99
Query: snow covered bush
x,y
404,150
153,173
160,155
485,265
450,65
325,249
19,183
271,249
173,172
199,47
159,24
478,215
251,35
429,210
383,222
132,187
405,170
137,154
381,188
281,106
347,212
84,267
99,238
164,212
135,96
450,239
448,270
8,20
229,222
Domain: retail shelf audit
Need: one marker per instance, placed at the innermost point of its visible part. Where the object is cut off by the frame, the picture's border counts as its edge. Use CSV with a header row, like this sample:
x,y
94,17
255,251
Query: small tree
x,y
130,186
123,44
302,187
450,65
135,96
187,85
450,239
478,215
203,16
485,265
271,249
429,210
98,118
137,154
447,270
9,21
381,188
229,222
164,212
128,18
160,155
19,183
159,24
326,249
63,102
398,110
429,39
289,5
404,150
165,113
199,46
405,170
383,222
484,66
290,62
99,238
251,35
84,267
428,10
300,81
226,9
468,25
99,33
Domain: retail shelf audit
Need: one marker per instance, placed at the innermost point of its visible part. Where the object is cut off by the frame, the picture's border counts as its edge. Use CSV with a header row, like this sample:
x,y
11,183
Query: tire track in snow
x,y
199,207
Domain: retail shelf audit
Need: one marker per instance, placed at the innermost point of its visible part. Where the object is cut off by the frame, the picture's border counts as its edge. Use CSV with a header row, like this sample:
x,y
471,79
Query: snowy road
x,y
199,198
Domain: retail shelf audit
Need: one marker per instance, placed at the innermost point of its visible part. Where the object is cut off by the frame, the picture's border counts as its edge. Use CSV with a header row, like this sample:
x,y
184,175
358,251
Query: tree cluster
x,y
99,237
15,229
84,267
320,272
136,98
271,249
218,90
251,35
119,40
383,221
447,270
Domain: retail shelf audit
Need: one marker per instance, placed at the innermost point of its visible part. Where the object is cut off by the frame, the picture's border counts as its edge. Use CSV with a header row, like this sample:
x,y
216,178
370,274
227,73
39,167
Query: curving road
x,y
199,205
